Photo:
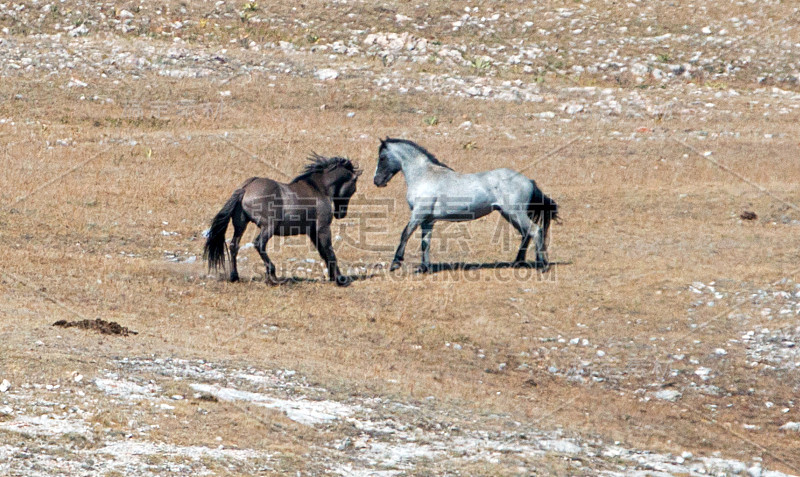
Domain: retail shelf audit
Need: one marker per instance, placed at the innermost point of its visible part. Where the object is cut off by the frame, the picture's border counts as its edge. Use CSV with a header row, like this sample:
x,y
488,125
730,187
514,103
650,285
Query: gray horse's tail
x,y
216,248
542,210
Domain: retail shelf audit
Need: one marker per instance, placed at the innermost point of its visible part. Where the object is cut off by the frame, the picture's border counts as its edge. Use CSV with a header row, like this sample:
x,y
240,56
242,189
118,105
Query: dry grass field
x,y
664,340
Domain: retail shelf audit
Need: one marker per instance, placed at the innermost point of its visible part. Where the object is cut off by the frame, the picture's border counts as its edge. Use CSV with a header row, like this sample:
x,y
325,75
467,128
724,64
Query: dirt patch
x,y
101,326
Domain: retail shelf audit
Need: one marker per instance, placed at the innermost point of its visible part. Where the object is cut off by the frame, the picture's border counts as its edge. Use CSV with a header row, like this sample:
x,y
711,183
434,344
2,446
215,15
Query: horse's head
x,y
343,190
388,164
334,176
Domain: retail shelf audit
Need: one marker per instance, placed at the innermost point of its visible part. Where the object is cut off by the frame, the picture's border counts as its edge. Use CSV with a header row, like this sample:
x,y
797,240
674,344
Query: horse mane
x,y
421,149
318,164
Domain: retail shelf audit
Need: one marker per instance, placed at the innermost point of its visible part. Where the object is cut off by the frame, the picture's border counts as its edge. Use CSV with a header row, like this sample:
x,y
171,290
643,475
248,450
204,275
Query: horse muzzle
x,y
340,213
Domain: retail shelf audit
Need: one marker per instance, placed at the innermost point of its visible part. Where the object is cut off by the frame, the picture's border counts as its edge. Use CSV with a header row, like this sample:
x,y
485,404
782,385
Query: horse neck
x,y
326,183
316,185
415,168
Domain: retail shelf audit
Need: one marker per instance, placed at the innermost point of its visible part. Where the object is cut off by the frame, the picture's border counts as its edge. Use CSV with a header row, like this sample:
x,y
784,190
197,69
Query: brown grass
x,y
641,222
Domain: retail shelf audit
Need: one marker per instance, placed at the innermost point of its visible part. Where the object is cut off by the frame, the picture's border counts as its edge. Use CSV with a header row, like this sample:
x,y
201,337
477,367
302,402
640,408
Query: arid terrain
x,y
665,339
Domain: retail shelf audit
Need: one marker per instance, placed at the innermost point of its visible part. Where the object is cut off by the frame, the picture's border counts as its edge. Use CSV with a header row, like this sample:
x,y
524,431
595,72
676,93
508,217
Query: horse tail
x,y
542,210
216,248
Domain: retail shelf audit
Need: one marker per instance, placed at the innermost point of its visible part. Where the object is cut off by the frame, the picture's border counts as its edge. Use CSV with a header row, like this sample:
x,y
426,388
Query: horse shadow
x,y
293,280
432,269
453,266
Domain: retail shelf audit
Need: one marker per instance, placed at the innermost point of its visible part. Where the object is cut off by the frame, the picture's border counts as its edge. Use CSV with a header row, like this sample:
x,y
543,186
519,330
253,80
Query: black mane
x,y
319,164
421,149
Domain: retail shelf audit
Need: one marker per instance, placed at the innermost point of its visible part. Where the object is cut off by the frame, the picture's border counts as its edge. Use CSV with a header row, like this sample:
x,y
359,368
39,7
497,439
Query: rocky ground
x,y
55,429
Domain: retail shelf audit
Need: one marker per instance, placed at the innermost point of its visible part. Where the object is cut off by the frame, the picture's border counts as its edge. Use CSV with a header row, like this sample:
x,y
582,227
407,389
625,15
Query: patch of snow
x,y
46,426
126,389
302,411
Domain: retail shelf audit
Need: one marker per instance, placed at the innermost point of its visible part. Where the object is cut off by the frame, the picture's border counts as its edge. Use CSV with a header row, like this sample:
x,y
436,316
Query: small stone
x,y
326,74
5,386
345,444
670,395
361,443
79,30
791,426
703,372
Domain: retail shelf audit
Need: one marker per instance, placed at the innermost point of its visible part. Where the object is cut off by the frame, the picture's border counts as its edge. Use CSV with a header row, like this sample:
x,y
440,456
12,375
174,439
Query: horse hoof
x,y
422,269
343,281
275,281
234,278
543,266
395,265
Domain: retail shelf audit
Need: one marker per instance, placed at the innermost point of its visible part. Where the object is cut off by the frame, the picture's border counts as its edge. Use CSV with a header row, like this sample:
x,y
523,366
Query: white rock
x,y
703,372
125,14
720,352
639,69
326,74
791,426
5,386
473,91
76,83
79,30
668,395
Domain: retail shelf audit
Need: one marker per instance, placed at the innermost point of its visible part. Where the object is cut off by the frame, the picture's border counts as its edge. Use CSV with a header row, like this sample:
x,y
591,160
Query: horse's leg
x,y
261,246
401,248
427,230
541,246
520,220
322,240
239,225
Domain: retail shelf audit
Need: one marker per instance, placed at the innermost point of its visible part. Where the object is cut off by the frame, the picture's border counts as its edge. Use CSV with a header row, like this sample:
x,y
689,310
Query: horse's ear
x,y
383,141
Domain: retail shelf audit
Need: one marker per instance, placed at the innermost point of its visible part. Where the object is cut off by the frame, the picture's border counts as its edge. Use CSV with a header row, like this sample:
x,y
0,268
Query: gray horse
x,y
436,192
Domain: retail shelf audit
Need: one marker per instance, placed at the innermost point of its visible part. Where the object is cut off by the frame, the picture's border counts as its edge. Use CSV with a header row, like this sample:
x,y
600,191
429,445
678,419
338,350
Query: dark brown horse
x,y
307,205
